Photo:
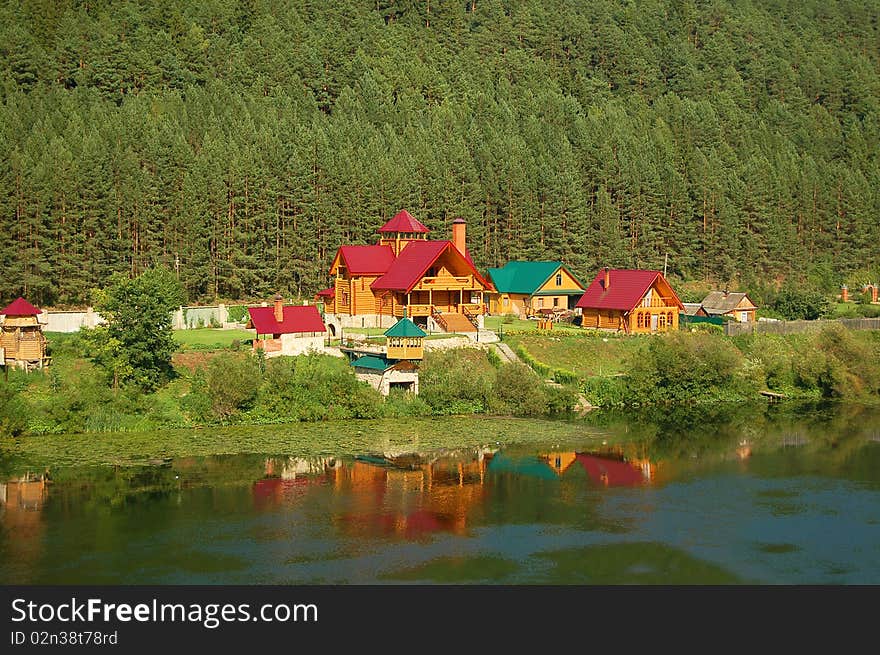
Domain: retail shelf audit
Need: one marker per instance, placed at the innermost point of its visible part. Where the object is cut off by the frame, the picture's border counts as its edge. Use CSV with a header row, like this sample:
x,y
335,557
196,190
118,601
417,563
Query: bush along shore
x,y
235,387
700,367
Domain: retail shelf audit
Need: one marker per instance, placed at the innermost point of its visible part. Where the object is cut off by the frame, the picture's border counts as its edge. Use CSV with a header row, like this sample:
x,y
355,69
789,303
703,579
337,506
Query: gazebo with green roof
x,y
405,340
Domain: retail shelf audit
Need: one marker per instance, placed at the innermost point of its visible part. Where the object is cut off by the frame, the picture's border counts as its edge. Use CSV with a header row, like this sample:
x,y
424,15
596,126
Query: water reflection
x,y
796,503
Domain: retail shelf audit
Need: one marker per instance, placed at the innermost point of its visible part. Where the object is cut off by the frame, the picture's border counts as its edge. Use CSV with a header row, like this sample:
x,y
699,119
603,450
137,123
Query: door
x,y
654,319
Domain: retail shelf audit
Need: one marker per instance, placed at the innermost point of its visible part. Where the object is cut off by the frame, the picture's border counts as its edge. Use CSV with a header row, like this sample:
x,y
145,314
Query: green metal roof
x,y
374,363
405,328
522,277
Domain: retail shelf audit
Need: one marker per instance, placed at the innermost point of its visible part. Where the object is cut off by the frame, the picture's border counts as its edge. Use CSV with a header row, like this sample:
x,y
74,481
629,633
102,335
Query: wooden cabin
x,y
725,303
531,288
405,340
286,329
630,301
22,343
406,274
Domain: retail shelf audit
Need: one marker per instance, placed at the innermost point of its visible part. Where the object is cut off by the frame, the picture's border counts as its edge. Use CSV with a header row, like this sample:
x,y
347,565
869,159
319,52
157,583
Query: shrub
x,y
232,383
456,381
518,391
795,304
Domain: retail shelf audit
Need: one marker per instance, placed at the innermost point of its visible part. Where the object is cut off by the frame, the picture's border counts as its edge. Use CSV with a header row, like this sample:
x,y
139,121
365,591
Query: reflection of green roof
x,y
405,328
531,466
374,363
522,277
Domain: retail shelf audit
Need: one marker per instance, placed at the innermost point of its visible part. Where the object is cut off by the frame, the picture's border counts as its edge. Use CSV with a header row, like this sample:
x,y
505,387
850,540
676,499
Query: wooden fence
x,y
732,329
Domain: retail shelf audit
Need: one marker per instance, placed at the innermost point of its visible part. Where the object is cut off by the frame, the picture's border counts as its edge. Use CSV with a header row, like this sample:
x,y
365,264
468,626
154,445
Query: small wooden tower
x,y
405,340
22,343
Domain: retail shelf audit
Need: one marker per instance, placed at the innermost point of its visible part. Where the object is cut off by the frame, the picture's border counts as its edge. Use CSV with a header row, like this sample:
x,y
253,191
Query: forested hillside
x,y
240,142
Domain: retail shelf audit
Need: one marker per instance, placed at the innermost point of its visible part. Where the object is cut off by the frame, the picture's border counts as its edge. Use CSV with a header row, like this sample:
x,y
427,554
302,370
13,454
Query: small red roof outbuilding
x,y
296,319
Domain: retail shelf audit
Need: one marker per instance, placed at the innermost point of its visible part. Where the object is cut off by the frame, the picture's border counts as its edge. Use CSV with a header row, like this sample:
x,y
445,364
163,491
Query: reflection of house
x,y
22,343
287,329
405,274
425,498
725,303
615,472
559,462
527,288
631,301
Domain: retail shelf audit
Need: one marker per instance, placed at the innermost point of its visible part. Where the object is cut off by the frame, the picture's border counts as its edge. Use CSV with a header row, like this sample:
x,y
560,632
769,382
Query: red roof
x,y
626,289
612,472
20,307
297,318
403,222
326,293
411,264
361,260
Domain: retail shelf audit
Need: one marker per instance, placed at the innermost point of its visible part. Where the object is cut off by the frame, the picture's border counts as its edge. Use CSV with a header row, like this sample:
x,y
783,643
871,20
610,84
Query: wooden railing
x,y
446,282
473,308
438,318
471,317
413,310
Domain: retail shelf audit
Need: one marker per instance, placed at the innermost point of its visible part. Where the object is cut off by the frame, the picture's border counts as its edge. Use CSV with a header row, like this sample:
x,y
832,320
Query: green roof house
x,y
533,289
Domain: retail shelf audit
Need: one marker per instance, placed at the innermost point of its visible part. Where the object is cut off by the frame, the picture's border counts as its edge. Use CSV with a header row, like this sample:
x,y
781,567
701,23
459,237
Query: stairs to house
x,y
452,322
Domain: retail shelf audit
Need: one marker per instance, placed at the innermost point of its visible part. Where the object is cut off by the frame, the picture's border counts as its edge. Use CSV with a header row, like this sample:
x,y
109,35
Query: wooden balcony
x,y
412,310
446,283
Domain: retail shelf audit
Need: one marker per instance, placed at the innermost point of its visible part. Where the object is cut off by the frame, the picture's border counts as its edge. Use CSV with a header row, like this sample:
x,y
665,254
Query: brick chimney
x,y
844,294
459,235
607,278
874,293
279,308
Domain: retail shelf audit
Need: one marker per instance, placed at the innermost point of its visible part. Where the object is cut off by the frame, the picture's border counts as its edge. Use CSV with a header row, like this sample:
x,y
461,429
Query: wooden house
x,y
725,303
694,309
406,274
286,329
630,301
22,343
530,288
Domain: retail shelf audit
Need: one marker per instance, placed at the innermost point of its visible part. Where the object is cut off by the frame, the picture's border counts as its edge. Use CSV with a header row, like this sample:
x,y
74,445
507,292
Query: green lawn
x,y
583,353
206,338
509,324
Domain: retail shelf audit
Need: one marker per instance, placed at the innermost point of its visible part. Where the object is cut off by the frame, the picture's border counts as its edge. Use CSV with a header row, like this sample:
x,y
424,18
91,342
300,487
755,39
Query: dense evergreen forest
x,y
239,142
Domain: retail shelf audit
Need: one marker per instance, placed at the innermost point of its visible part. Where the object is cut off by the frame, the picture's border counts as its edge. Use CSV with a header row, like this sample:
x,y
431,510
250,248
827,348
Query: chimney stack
x,y
874,293
607,278
459,235
844,294
279,308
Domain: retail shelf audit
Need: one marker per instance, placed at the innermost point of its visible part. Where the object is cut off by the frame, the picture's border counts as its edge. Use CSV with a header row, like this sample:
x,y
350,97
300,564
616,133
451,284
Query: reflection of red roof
x,y
361,260
297,318
403,222
20,307
612,472
626,289
326,293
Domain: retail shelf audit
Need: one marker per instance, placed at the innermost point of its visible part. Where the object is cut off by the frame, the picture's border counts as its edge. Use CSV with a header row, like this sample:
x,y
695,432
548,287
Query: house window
x,y
669,319
743,317
559,279
640,320
662,321
556,302
504,301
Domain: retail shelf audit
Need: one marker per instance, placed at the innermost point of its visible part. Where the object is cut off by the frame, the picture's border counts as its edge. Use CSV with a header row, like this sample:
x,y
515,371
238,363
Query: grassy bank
x,y
687,367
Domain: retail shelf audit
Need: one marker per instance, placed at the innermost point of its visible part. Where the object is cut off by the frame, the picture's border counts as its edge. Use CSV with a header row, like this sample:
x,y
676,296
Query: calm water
x,y
766,496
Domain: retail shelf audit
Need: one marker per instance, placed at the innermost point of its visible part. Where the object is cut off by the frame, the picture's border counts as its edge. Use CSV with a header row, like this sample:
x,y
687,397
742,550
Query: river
x,y
755,495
